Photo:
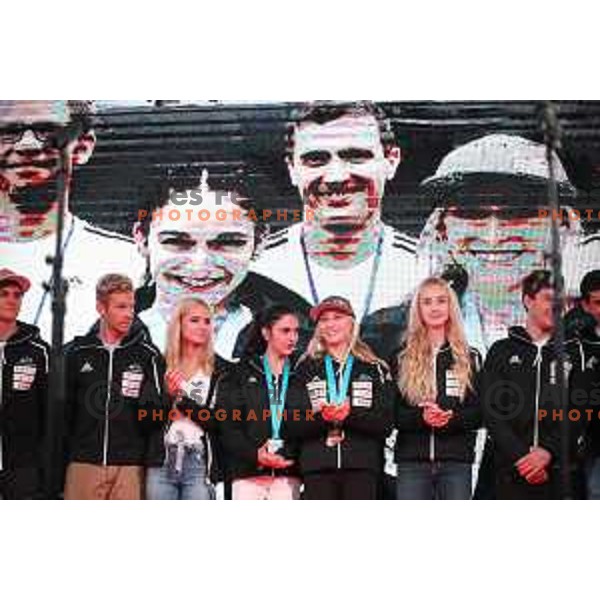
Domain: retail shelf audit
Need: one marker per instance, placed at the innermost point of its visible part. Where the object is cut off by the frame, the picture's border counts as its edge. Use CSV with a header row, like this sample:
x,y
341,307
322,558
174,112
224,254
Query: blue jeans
x,y
433,481
189,483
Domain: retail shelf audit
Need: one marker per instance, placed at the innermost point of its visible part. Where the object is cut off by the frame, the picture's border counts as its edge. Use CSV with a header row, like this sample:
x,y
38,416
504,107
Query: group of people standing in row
x,y
284,424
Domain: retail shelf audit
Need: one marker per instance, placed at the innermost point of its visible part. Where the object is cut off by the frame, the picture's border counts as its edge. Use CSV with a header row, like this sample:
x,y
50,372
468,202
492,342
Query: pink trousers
x,y
266,488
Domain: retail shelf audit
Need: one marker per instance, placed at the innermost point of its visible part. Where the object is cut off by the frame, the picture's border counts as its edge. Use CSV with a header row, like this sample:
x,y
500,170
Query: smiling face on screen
x,y
205,258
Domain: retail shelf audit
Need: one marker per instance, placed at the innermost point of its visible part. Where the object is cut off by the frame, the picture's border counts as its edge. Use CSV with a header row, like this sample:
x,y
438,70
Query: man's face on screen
x,y
29,136
340,169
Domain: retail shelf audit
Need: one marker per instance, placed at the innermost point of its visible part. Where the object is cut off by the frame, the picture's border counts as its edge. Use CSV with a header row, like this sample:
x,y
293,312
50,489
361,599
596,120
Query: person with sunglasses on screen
x,y
33,134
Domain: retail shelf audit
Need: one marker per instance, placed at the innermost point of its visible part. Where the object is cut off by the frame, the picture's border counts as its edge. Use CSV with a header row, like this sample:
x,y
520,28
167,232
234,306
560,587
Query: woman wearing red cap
x,y
348,412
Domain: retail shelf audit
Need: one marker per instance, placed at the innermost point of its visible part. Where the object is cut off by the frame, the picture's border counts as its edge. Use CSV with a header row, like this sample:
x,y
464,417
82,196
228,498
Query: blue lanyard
x,y
372,279
337,395
276,401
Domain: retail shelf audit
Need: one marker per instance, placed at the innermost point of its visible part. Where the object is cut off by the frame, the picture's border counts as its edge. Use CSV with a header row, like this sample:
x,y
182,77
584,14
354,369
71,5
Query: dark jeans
x,y
343,484
511,486
433,481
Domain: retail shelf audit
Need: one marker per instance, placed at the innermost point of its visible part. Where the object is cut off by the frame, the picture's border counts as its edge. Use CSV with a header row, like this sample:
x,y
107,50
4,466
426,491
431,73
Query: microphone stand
x,y
56,381
552,138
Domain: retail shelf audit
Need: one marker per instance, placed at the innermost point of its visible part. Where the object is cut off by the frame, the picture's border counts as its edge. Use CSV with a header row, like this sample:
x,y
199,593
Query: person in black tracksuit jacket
x,y
24,366
590,339
588,331
437,461
258,462
520,395
437,410
341,446
111,393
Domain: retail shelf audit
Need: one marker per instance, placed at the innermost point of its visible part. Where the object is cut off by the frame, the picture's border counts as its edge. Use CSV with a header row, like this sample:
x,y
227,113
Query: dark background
x,y
139,145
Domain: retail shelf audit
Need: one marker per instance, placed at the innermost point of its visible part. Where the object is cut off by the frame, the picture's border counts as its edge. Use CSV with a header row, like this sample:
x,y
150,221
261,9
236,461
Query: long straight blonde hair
x,y
174,346
318,349
415,361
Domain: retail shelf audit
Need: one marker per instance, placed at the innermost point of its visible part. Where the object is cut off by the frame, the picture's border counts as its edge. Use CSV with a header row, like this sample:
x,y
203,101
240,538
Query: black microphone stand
x,y
56,381
552,138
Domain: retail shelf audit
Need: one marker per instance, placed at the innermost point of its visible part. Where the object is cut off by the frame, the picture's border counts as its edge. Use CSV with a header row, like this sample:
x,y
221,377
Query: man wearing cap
x,y
341,157
24,363
31,135
491,223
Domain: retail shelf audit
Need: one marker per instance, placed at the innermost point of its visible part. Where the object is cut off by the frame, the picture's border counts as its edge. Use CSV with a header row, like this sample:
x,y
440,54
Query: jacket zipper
x,y
2,346
206,437
106,407
538,363
432,432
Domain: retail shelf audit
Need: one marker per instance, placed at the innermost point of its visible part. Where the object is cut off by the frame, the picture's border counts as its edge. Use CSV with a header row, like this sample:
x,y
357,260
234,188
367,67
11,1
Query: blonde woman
x,y
438,411
350,405
193,373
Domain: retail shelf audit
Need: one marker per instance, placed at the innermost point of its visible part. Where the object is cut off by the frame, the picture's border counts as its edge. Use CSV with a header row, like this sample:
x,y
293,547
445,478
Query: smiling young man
x,y
340,158
490,198
23,394
32,133
112,373
521,399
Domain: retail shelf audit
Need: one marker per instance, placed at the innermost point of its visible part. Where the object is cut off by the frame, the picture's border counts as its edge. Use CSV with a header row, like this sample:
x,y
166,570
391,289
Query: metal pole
x,y
552,135
56,380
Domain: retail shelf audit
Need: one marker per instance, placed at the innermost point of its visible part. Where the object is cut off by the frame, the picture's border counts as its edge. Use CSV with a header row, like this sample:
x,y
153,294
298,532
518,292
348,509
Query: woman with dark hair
x,y
198,241
254,398
349,399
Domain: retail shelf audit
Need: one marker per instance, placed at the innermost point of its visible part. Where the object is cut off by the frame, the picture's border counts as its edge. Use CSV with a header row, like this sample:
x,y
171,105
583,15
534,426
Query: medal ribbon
x,y
338,393
276,400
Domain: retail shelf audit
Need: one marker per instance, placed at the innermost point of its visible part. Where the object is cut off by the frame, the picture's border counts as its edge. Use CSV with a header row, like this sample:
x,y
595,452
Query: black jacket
x,y
244,390
106,394
591,348
24,366
365,429
519,383
204,415
417,441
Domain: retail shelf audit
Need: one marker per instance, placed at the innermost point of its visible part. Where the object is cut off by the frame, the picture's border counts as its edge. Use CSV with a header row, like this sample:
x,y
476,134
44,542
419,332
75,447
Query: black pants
x,y
486,477
21,483
342,484
511,486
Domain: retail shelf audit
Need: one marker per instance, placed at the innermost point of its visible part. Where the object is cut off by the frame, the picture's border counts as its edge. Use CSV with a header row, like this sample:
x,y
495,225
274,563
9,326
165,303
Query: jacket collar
x,y
24,333
521,334
138,332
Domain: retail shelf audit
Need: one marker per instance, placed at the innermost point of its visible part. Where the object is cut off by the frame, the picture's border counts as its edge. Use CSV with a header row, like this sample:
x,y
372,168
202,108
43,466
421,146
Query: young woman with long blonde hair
x,y
350,401
438,411
191,464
